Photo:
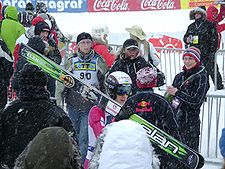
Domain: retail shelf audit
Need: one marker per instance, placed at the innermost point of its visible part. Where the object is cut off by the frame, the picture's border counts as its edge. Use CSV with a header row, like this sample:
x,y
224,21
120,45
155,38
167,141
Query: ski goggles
x,y
123,89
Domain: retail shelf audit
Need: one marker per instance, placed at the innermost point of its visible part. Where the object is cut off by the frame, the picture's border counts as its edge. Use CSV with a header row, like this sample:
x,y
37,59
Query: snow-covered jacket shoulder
x,y
121,148
192,88
52,147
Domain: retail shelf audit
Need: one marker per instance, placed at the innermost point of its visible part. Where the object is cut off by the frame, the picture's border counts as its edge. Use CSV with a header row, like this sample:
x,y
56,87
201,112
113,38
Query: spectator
x,y
154,108
118,147
51,148
42,43
187,95
30,10
129,61
203,35
100,44
88,66
118,87
11,29
41,8
147,49
31,112
215,17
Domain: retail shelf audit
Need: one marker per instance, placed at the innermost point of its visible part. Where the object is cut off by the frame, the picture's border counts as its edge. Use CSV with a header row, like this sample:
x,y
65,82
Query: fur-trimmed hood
x,y
197,10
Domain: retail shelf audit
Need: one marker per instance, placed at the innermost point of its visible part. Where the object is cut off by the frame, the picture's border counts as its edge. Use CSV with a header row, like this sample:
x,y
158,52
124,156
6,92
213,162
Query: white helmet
x,y
118,83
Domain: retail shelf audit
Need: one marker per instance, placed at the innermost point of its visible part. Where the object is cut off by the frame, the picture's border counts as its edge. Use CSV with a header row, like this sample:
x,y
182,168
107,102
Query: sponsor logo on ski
x,y
110,5
157,4
155,136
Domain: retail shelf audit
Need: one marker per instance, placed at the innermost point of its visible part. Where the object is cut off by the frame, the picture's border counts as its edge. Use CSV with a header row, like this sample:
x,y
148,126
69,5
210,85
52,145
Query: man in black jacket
x,y
23,118
203,35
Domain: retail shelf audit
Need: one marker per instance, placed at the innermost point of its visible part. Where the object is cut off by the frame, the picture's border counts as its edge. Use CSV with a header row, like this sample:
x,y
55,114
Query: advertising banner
x,y
188,4
132,5
54,6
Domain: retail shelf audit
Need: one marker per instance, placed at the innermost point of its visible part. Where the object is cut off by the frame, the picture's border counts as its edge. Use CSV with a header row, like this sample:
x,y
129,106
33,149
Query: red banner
x,y
132,5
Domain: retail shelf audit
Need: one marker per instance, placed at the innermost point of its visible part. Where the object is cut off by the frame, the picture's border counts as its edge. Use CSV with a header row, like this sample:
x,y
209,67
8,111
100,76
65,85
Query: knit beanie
x,y
146,78
32,75
194,53
82,36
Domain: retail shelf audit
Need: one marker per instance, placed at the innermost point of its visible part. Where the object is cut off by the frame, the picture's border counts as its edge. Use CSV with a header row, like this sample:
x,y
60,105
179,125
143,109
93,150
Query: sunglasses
x,y
123,89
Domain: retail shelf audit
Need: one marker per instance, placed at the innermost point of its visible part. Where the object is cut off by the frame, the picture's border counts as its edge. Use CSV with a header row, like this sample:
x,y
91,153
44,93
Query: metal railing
x,y
213,109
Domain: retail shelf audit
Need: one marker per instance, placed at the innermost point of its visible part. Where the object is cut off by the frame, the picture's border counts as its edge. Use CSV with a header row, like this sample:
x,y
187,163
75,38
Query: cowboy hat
x,y
137,31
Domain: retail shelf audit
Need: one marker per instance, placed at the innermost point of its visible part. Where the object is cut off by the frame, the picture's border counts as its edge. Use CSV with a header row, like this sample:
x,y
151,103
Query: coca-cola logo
x,y
110,5
157,4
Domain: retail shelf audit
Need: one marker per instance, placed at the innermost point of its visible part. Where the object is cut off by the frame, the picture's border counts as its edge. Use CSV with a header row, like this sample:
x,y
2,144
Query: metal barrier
x,y
213,110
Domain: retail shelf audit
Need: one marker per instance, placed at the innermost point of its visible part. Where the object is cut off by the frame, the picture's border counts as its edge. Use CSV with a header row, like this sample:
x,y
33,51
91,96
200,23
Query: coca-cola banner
x,y
132,5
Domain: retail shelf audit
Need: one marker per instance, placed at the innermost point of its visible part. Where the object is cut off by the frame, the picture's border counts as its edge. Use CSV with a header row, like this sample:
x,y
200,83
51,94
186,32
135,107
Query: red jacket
x,y
102,50
215,17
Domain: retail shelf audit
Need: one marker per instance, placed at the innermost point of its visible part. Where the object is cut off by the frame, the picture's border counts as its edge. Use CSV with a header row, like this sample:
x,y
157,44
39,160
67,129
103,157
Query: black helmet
x,y
41,7
118,83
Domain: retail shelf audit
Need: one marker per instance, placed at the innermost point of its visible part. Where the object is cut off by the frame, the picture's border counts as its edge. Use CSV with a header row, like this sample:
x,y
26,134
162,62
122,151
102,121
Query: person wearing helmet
x,y
154,108
100,44
41,8
118,87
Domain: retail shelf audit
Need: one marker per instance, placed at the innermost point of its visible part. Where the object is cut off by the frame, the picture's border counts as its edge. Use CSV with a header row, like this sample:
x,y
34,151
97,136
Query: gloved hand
x,y
88,94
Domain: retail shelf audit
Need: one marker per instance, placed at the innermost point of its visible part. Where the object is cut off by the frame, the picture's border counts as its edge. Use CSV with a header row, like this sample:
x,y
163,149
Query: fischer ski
x,y
183,153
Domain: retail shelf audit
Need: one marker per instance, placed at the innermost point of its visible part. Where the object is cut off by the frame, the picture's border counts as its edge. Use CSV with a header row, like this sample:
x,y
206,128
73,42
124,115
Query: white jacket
x,y
125,146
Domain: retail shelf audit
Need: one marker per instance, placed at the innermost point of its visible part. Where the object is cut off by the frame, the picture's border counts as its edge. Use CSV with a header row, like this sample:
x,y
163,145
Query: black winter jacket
x,y
131,67
192,88
22,119
207,37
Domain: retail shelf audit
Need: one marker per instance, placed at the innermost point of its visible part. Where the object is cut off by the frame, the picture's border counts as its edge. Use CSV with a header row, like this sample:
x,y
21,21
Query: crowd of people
x,y
47,125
